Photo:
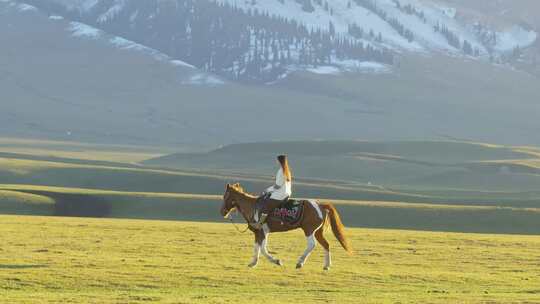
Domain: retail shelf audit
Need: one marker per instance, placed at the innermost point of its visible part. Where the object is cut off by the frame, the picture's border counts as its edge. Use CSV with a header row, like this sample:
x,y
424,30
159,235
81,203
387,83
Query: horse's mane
x,y
238,189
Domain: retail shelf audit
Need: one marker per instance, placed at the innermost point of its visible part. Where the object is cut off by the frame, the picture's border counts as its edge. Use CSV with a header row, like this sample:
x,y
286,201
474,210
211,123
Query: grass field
x,y
463,190
46,200
51,260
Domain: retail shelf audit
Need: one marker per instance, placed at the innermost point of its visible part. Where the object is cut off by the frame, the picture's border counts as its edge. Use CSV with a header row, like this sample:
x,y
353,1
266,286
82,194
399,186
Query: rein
x,y
236,227
234,224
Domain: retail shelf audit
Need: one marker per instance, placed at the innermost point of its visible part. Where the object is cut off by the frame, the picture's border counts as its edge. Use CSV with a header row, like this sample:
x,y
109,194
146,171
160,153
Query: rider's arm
x,y
280,182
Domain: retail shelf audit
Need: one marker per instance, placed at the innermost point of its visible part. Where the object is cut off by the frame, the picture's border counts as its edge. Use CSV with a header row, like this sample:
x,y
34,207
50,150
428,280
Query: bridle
x,y
229,217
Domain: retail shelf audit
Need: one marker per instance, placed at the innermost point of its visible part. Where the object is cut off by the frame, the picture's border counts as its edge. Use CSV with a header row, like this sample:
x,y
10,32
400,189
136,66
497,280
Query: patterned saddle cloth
x,y
289,212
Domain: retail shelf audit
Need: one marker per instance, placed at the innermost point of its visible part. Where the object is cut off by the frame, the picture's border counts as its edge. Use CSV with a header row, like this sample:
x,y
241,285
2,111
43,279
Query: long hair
x,y
282,159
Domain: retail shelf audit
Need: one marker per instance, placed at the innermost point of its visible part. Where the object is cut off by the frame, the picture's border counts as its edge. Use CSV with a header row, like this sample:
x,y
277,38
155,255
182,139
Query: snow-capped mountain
x,y
131,72
263,40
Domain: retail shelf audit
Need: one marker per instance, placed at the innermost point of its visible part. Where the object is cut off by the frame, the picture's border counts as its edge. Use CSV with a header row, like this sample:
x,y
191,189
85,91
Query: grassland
x,y
126,258
44,260
427,171
434,186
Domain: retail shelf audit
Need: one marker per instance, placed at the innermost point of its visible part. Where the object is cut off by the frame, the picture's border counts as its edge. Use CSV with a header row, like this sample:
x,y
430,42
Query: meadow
x,y
87,223
74,260
432,186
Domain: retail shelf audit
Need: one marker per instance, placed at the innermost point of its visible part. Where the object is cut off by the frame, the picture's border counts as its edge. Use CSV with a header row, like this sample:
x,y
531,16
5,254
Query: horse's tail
x,y
337,227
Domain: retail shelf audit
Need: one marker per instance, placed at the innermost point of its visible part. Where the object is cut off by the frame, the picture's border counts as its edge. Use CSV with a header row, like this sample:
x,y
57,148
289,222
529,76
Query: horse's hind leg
x,y
310,246
313,221
310,235
327,258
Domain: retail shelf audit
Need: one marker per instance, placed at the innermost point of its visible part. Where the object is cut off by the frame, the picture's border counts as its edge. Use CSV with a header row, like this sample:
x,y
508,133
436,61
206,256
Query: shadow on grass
x,y
75,204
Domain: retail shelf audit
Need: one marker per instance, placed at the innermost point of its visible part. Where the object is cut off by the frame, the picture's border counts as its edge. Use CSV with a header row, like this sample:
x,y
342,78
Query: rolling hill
x,y
399,185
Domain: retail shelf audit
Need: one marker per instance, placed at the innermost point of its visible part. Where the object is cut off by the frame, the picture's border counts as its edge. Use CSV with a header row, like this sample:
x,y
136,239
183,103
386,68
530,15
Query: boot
x,y
261,221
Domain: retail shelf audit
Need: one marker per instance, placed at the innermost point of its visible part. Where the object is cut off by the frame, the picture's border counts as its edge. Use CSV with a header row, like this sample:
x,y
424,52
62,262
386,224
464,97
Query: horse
x,y
315,218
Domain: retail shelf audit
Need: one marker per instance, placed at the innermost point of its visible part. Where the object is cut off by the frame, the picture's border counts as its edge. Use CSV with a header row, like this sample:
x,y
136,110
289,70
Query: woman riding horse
x,y
275,195
316,216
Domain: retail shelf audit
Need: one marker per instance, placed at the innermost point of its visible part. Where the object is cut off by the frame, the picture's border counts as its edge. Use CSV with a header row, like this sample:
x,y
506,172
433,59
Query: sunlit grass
x,y
47,259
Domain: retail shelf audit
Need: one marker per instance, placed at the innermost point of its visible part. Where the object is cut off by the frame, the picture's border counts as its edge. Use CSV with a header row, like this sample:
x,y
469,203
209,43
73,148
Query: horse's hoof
x,y
252,265
279,262
326,268
298,266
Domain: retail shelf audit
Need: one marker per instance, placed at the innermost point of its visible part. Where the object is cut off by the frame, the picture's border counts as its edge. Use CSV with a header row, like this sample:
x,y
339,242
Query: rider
x,y
275,195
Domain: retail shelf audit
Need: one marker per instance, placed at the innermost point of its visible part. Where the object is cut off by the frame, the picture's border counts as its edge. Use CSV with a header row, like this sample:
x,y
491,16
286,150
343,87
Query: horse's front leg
x,y
265,252
256,249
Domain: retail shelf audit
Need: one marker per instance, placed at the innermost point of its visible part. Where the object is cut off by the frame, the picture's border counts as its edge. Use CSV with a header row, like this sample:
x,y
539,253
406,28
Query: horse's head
x,y
228,200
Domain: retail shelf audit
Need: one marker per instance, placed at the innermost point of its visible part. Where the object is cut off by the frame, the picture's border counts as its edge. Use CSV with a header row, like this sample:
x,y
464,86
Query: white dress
x,y
282,189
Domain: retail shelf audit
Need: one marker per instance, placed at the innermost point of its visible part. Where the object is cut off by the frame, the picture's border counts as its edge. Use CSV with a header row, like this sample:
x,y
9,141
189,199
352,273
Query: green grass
x,y
434,171
459,193
125,177
80,151
27,199
46,260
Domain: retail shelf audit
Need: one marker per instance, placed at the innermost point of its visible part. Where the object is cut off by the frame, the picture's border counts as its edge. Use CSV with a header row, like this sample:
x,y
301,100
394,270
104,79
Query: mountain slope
x,y
104,88
262,40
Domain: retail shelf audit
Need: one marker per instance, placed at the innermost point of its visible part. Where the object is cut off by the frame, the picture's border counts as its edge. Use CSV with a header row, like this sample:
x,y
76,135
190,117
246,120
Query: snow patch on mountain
x,y
182,64
25,7
88,4
112,11
449,12
343,13
79,5
204,80
424,29
82,30
125,44
342,66
515,37
78,29
341,18
325,70
21,7
373,67
54,17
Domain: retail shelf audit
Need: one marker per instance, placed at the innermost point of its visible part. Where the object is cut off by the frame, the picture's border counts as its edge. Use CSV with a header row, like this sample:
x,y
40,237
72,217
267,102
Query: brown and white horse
x,y
316,216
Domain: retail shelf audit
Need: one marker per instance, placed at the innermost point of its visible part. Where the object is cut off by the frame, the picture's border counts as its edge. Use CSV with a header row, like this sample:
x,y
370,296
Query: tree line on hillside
x,y
246,45
393,21
454,40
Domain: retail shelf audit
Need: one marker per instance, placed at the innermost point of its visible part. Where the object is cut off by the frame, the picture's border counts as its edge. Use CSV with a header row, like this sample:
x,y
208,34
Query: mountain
x,y
262,41
66,76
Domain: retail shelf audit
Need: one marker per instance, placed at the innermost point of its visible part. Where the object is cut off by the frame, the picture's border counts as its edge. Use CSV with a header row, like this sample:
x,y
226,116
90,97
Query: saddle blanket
x,y
290,212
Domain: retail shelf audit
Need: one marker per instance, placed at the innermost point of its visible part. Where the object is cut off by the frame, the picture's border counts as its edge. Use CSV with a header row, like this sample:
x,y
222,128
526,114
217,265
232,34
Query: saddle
x,y
290,212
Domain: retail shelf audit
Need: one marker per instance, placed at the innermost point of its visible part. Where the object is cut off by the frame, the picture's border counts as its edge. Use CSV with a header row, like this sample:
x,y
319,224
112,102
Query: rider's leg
x,y
260,215
268,206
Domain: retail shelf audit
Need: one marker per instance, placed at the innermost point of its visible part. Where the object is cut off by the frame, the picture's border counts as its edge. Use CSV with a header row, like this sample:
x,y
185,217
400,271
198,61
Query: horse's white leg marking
x,y
327,259
310,246
266,229
256,251
264,250
317,208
